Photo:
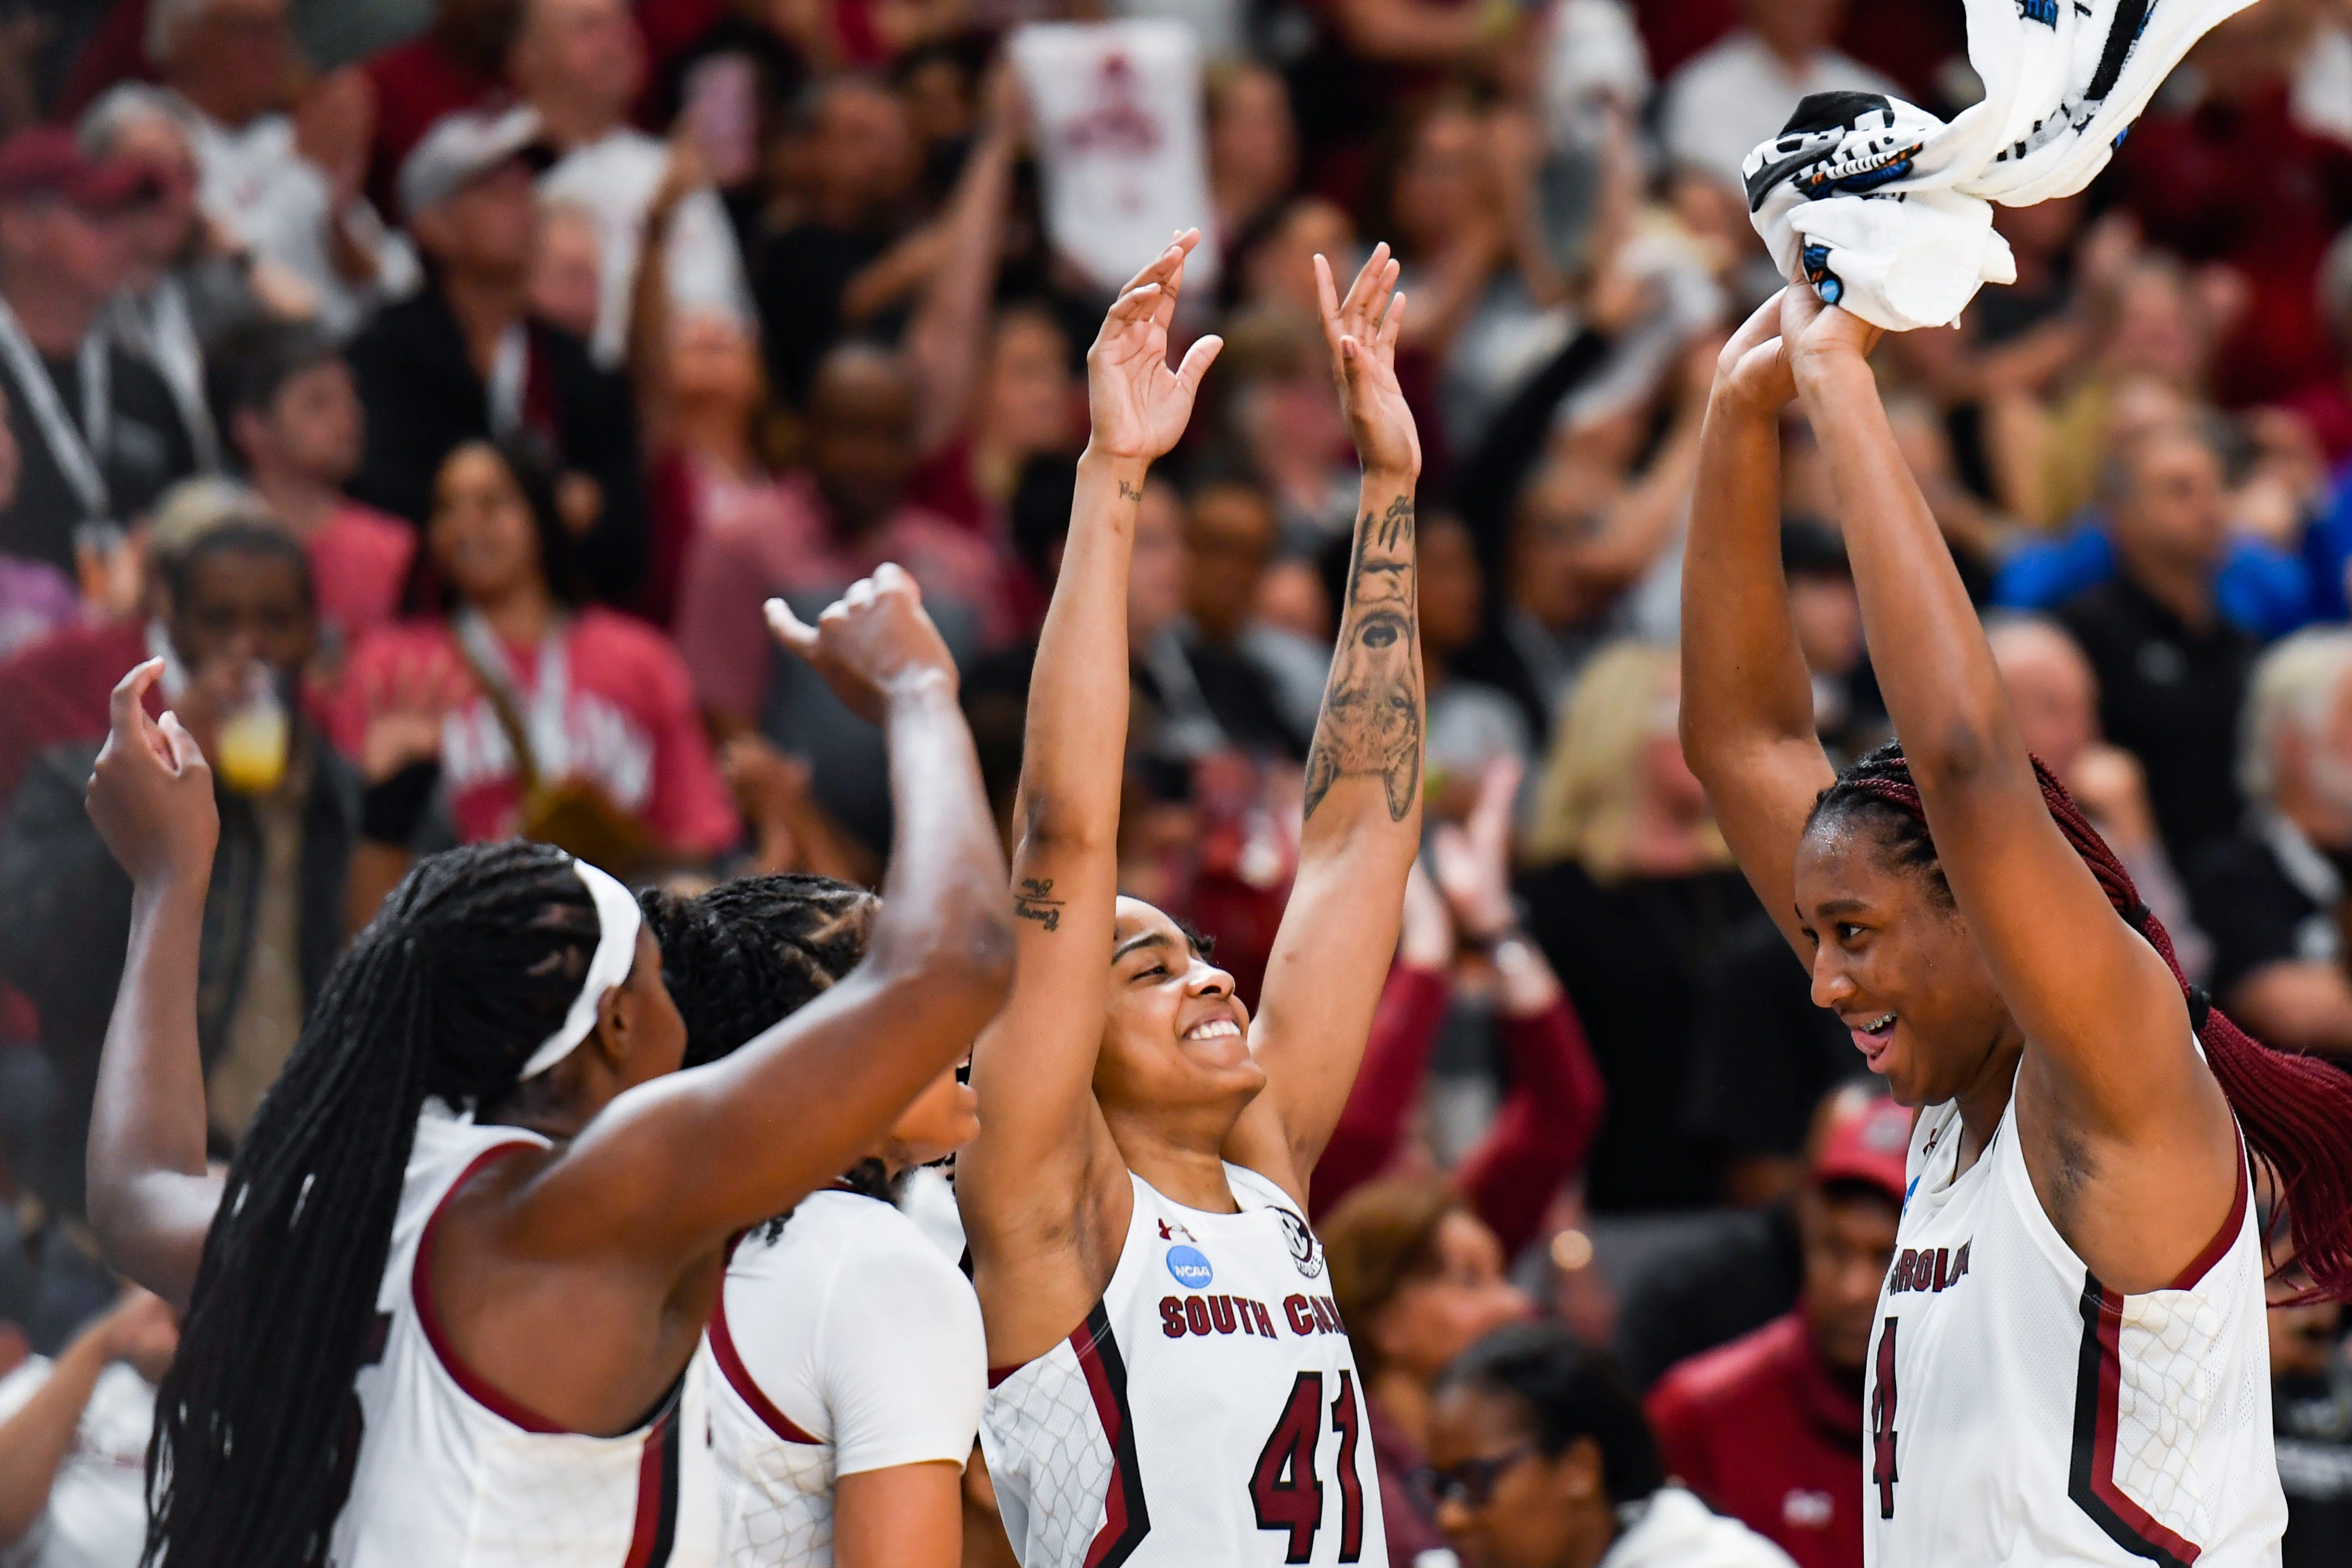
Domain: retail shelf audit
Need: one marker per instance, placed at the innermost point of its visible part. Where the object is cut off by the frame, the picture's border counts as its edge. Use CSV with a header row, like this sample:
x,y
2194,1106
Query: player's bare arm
x,y
1363,770
1044,1188
150,1198
2125,1131
1748,703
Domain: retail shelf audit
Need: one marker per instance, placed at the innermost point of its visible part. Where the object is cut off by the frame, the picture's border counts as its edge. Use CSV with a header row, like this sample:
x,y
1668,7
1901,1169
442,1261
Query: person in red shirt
x,y
601,700
459,62
282,399
1769,1427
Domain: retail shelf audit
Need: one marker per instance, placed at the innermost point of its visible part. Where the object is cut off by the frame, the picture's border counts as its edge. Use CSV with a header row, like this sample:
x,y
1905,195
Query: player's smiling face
x,y
1173,1033
1893,959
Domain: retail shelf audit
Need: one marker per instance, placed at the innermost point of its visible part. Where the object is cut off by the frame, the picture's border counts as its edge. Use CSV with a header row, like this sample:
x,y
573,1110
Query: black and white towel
x,y
1887,210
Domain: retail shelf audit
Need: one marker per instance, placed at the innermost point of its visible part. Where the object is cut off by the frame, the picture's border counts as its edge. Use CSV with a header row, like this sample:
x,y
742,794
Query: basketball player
x,y
477,1230
2068,1363
1172,1385
845,1365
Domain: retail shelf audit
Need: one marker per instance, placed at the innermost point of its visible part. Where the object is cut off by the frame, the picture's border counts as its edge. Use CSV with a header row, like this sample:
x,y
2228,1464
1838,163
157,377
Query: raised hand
x,y
1362,330
1137,406
873,641
151,793
406,709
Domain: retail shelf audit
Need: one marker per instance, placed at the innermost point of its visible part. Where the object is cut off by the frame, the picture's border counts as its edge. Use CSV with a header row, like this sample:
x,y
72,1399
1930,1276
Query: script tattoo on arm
x,y
1035,902
1371,721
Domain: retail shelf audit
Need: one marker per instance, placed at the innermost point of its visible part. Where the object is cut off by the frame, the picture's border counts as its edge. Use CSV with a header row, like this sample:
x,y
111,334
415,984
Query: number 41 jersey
x,y
2022,1412
1208,1410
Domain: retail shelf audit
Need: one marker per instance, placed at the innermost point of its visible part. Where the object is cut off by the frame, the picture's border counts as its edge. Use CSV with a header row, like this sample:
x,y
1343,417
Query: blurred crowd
x,y
441,389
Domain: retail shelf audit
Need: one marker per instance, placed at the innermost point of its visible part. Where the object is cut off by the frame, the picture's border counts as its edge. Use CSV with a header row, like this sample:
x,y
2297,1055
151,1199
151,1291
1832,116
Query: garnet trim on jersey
x,y
657,1521
2098,1379
738,1378
1126,1519
477,1389
656,1527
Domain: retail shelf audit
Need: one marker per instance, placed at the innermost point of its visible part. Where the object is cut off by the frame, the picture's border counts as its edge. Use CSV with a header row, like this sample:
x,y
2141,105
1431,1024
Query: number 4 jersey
x,y
2022,1412
1208,1410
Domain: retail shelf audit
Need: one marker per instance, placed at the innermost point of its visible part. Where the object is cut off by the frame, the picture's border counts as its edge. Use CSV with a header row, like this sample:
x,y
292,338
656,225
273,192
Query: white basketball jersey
x,y
2020,1412
845,1344
1208,1410
450,1473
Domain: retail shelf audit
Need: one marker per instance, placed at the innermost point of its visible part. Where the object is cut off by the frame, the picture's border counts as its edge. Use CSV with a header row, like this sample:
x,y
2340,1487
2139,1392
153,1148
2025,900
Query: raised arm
x,y
1747,702
947,339
1044,1176
150,1198
1363,771
2146,1134
672,1167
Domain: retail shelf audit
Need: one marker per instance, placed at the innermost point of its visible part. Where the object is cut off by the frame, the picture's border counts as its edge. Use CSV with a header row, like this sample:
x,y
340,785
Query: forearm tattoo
x,y
1035,902
1370,726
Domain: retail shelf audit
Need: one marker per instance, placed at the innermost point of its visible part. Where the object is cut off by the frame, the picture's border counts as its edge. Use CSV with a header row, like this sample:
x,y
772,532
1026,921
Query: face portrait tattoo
x,y
1370,726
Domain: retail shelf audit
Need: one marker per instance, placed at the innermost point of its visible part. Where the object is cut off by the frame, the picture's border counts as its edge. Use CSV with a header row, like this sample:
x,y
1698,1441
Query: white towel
x,y
1886,209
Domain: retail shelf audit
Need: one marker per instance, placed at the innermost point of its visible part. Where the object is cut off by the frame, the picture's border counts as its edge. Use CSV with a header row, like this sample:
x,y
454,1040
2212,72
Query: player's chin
x,y
1223,1066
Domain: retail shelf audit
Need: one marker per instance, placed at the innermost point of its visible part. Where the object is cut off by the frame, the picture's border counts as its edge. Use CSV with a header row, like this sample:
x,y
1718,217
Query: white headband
x,y
618,918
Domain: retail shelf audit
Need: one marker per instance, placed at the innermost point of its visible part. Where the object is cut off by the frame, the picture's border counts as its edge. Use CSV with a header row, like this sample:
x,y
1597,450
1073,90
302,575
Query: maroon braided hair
x,y
2295,1110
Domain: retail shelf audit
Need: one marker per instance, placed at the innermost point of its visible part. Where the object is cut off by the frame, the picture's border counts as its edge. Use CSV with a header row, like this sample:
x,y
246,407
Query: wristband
x,y
390,810
1487,941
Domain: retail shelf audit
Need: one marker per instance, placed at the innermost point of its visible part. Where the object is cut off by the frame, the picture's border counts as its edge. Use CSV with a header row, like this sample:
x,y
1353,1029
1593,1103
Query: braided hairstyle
x,y
2295,1110
473,960
750,952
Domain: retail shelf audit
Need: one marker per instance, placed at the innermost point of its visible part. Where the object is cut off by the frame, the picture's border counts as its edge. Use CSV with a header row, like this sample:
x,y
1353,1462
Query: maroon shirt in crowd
x,y
58,689
1767,1434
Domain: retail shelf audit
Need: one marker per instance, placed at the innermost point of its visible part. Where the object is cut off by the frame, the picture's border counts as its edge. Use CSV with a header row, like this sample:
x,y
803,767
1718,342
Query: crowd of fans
x,y
442,395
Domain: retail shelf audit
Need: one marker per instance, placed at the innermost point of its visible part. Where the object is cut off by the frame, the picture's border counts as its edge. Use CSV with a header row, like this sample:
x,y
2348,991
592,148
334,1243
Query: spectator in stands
x,y
1471,724
1418,1279
463,361
239,630
73,1442
822,273
1827,615
558,719
1766,1427
1539,1457
2271,895
1253,148
2056,698
283,401
2311,1411
1722,102
1247,700
2172,671
1631,893
459,62
98,433
1538,1136
820,534
183,289
580,63
289,190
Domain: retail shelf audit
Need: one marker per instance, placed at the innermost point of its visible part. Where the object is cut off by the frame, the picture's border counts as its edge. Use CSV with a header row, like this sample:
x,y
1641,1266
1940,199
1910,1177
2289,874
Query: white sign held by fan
x,y
1116,111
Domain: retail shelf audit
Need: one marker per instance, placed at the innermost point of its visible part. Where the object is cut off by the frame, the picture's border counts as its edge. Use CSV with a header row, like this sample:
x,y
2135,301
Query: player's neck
x,y
1183,1163
1985,1100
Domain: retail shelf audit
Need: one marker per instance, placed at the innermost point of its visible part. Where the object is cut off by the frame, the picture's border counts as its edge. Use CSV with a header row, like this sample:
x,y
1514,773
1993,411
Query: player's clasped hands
x,y
871,643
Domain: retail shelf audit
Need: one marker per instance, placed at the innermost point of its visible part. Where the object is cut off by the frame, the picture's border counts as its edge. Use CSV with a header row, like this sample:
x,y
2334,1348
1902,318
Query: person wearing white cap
x,y
451,1285
464,360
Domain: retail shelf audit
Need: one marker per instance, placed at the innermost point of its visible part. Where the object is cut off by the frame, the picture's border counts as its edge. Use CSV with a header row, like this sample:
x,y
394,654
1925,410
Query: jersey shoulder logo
x,y
1189,1268
1305,1250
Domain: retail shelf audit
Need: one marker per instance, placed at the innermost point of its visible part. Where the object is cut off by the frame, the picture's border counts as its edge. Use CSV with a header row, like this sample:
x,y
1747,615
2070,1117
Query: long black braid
x,y
755,950
473,960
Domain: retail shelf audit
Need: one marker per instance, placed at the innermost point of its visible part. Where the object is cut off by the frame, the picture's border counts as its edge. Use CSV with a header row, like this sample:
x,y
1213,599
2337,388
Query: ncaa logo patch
x,y
1190,1268
1304,1250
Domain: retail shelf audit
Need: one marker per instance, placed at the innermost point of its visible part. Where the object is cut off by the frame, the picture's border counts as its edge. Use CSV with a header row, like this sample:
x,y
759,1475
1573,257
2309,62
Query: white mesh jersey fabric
x,y
450,1474
1208,1410
2020,1412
